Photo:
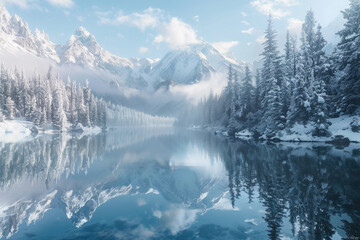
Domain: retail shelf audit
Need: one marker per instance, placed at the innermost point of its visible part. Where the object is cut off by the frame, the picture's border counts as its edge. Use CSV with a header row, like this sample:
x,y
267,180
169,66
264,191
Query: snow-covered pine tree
x,y
299,110
286,82
10,108
102,113
81,108
273,114
237,90
257,101
58,112
348,54
1,115
86,90
246,94
233,125
271,58
228,92
93,111
73,116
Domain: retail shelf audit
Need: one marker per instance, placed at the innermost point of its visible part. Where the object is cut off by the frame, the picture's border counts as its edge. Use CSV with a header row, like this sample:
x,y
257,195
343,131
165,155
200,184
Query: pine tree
x,y
257,101
233,125
246,94
286,83
1,115
271,68
73,116
93,111
299,110
348,54
86,90
228,92
59,116
273,114
10,108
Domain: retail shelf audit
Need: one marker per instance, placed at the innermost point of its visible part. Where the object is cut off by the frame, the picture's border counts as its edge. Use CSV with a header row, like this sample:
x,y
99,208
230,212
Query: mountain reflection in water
x,y
151,183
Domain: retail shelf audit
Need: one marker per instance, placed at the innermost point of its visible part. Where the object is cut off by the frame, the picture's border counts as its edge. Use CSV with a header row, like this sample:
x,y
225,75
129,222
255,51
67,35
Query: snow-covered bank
x,y
340,127
21,130
15,130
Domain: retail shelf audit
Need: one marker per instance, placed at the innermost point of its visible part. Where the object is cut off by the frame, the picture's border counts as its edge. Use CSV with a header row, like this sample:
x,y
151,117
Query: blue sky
x,y
141,28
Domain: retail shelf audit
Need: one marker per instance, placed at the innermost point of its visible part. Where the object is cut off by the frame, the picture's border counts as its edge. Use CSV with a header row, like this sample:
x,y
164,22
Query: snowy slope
x,y
14,30
193,64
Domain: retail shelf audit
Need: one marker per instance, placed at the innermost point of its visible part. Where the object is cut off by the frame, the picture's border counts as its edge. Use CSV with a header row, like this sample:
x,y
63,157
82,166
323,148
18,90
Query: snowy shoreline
x,y
19,130
340,133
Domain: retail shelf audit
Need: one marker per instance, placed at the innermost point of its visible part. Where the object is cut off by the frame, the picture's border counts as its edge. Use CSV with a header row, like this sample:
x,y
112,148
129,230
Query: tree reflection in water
x,y
305,184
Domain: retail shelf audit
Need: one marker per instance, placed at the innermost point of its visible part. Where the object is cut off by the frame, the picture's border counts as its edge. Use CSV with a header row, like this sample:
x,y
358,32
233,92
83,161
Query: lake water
x,y
165,183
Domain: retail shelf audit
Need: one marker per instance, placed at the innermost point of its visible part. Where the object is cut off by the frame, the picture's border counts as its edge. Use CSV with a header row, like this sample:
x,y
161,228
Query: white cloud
x,y
119,35
275,7
178,219
157,214
288,3
170,30
248,31
295,25
244,14
224,47
143,50
149,18
141,202
80,18
61,3
196,18
245,22
176,33
19,3
261,39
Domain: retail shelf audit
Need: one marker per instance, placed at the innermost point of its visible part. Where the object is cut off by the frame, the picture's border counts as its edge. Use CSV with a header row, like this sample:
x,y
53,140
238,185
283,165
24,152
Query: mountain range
x,y
82,57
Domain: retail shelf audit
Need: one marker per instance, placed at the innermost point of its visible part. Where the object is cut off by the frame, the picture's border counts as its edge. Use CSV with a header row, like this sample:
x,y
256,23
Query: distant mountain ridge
x,y
82,54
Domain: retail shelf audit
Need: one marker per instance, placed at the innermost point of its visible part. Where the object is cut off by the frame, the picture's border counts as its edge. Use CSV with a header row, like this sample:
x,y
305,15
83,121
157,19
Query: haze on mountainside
x,y
186,74
81,58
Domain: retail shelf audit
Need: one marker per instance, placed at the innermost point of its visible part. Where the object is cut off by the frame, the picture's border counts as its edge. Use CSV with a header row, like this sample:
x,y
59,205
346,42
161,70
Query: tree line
x,y
46,100
302,85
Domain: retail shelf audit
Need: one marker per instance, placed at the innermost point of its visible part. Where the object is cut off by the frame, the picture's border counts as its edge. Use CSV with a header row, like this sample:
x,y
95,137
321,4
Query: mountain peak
x,y
4,14
82,32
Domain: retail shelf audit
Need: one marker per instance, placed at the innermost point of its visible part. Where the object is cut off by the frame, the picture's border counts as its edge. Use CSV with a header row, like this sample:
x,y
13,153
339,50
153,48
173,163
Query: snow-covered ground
x,y
15,130
303,133
20,130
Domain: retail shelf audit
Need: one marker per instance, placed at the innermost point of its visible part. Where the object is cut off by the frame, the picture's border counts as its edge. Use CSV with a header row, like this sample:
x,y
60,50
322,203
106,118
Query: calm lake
x,y
167,183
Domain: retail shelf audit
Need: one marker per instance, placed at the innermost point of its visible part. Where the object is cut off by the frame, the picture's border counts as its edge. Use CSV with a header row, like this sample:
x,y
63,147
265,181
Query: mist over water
x,y
167,183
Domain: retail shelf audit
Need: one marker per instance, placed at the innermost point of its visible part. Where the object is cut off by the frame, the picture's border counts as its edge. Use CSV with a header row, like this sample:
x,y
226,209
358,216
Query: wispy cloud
x,y
80,18
170,30
196,18
244,14
277,8
19,3
225,47
245,22
143,50
295,25
142,20
261,39
176,33
61,3
248,31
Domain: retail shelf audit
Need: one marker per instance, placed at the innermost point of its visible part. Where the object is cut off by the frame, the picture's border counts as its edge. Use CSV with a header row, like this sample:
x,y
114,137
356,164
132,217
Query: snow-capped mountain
x,y
82,57
193,64
14,31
